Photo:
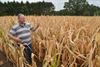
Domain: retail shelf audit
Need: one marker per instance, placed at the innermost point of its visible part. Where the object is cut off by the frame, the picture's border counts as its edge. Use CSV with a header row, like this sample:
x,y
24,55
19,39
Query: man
x,y
21,33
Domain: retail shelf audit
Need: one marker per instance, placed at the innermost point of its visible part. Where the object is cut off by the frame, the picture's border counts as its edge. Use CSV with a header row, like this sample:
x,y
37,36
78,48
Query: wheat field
x,y
60,41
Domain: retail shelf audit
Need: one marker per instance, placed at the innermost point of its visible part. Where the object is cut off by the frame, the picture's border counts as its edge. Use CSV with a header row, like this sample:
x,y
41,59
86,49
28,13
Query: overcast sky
x,y
58,3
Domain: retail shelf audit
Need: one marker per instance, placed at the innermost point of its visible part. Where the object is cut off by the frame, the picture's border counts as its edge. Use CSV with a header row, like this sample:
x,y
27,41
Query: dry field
x,y
62,41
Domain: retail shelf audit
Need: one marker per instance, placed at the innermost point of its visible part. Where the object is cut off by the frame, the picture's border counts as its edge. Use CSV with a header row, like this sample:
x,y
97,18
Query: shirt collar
x,y
22,25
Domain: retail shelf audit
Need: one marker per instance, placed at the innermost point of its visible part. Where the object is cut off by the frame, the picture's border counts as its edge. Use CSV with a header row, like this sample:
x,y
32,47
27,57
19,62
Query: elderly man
x,y
21,33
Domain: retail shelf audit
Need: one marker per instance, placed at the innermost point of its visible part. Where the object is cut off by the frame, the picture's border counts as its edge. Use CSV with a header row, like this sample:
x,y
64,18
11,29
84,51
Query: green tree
x,y
76,7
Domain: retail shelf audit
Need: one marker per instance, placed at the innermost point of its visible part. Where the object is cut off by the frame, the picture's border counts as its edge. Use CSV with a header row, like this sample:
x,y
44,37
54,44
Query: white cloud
x,y
95,2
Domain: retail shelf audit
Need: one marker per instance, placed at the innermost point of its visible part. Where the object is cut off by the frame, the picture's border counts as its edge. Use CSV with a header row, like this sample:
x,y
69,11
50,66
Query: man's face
x,y
21,19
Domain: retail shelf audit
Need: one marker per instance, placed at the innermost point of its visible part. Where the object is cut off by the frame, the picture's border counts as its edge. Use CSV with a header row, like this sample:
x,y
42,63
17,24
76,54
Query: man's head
x,y
21,18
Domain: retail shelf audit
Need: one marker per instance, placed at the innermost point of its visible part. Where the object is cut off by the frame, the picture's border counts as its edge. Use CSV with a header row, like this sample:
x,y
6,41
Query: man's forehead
x,y
21,15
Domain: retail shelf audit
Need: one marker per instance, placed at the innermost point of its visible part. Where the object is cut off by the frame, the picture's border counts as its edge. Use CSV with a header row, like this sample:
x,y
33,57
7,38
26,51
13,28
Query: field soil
x,y
3,60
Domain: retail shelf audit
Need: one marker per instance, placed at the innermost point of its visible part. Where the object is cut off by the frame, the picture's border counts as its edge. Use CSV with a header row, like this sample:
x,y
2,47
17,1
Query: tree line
x,y
14,8
79,8
72,7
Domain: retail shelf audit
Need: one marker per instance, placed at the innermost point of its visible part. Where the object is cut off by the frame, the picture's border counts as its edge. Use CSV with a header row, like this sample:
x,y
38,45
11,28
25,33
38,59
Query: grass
x,y
59,42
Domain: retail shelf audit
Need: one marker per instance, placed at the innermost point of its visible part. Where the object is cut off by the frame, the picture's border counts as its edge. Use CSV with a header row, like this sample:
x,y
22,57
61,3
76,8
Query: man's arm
x,y
12,34
34,29
16,39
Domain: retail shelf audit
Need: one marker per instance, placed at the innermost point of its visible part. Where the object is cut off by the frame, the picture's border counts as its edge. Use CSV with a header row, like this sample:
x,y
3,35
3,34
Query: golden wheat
x,y
62,41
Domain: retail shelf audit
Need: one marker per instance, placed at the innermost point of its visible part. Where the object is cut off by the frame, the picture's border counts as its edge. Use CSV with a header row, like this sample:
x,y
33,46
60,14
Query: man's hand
x,y
16,39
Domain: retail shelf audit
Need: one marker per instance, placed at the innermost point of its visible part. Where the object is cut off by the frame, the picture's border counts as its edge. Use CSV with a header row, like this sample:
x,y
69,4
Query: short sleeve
x,y
13,31
31,26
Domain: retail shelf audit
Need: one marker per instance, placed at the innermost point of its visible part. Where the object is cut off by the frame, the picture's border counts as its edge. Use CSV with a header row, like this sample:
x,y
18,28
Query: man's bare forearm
x,y
34,29
16,39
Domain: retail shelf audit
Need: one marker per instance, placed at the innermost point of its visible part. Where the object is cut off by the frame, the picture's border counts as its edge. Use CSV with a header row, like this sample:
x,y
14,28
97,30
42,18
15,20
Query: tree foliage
x,y
13,8
80,7
72,7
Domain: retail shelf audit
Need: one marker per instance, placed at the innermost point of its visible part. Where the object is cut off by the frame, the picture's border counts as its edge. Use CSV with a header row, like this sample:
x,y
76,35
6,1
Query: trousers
x,y
27,53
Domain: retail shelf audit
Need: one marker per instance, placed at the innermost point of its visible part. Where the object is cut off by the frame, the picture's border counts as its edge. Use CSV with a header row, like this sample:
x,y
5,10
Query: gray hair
x,y
20,15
